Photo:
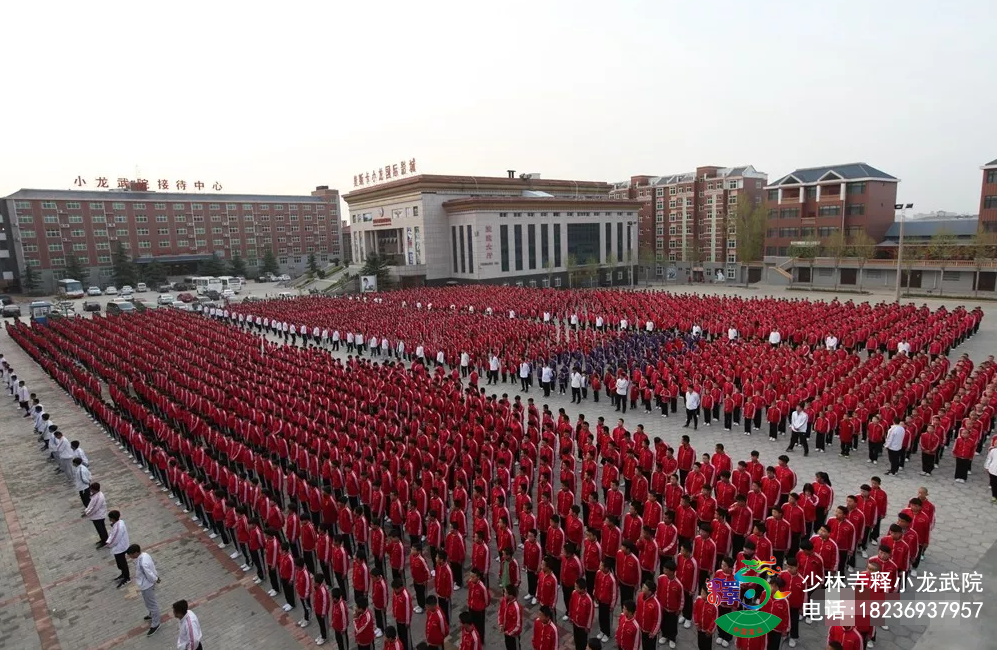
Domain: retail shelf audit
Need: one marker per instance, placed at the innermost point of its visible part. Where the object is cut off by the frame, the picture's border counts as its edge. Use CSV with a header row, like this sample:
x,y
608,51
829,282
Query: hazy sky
x,y
280,97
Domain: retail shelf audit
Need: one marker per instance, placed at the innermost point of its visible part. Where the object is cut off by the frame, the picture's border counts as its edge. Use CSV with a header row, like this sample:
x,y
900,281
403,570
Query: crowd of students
x,y
326,472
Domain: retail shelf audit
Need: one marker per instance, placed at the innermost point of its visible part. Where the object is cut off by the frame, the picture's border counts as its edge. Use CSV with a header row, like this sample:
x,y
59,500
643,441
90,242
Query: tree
x,y
862,247
378,266
647,262
75,271
805,253
122,267
984,249
214,266
836,246
549,267
571,264
269,263
611,263
237,266
312,264
154,273
942,245
749,221
29,280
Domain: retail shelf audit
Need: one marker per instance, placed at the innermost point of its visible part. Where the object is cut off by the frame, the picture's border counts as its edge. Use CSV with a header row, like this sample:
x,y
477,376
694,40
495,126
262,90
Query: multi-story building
x,y
177,229
809,205
988,197
525,230
692,216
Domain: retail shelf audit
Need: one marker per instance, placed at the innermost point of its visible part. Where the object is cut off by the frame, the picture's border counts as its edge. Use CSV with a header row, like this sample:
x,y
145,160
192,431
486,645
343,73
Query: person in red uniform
x,y
671,595
401,609
545,631
437,625
846,636
363,626
443,584
779,608
321,604
627,628
607,592
687,572
469,637
478,599
510,617
340,618
704,613
581,612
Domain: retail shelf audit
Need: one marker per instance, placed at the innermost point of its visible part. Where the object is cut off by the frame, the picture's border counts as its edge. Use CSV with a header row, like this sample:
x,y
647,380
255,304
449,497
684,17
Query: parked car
x,y
165,299
163,288
185,297
11,309
116,307
228,294
5,299
111,290
94,291
213,295
284,278
127,295
181,305
143,304
91,305
141,287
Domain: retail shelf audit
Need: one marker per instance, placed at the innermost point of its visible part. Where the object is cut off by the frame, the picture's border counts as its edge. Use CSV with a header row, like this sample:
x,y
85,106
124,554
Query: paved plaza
x,y
56,591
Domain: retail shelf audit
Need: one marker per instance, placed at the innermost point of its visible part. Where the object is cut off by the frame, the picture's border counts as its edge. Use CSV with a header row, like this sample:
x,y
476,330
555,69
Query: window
x,y
517,243
99,232
114,206
103,259
557,246
181,231
57,261
457,257
30,248
826,232
102,246
141,231
504,247
773,213
672,243
812,192
141,218
27,234
163,231
544,247
470,250
773,195
51,218
951,276
619,242
789,213
855,210
48,205
182,243
829,210
22,205
989,202
415,211
164,244
55,247
856,188
160,218
75,205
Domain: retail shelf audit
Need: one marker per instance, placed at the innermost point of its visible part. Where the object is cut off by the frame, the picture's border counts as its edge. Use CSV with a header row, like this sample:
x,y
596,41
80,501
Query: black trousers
x,y
101,530
895,458
993,486
794,623
962,466
511,642
288,590
85,497
774,640
323,631
122,563
605,618
704,640
582,638
404,635
646,641
669,625
875,450
692,415
927,463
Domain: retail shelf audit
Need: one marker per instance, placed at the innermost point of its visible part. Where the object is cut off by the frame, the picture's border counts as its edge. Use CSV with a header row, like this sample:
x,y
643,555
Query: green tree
x,y
75,271
549,268
312,264
862,247
377,265
611,263
237,266
807,253
29,280
214,266
942,245
571,264
836,246
647,262
749,222
269,264
154,273
122,267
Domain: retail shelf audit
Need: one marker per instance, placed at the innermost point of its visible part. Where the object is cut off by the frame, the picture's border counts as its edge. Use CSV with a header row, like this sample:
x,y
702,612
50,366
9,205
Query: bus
x,y
70,288
204,283
231,282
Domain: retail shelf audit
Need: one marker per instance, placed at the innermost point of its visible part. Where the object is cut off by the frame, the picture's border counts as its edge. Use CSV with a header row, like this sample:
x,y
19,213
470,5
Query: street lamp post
x,y
902,207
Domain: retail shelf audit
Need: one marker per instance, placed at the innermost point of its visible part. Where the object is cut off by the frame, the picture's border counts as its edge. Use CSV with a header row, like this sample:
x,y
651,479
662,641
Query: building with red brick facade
x,y
988,197
177,229
687,221
809,205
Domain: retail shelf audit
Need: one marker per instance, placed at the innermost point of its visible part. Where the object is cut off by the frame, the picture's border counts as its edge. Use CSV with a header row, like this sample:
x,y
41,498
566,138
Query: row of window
x,y
989,202
852,189
504,215
99,205
801,232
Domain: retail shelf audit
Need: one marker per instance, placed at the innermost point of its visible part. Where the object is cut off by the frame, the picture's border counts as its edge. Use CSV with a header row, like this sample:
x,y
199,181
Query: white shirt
x,y
465,359
547,374
82,477
696,330
78,453
732,333
692,400
440,357
546,316
798,421
145,572
349,337
622,386
576,380
991,464
62,449
775,337
574,319
493,364
649,326
904,347
420,351
624,324
524,370
97,508
335,335
831,342
189,636
895,437
118,539
598,321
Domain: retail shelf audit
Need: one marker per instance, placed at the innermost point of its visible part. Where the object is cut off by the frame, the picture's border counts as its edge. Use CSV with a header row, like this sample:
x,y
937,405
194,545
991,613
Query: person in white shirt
x,y
574,322
697,331
63,454
385,347
335,340
360,340
512,314
441,358
546,379
731,333
991,466
22,397
622,388
96,511
400,350
798,430
420,353
374,345
189,633
692,402
524,376
350,344
904,348
649,326
576,386
599,323
895,446
775,338
79,453
546,316
493,368
81,479
465,364
146,579
118,543
831,342
624,324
